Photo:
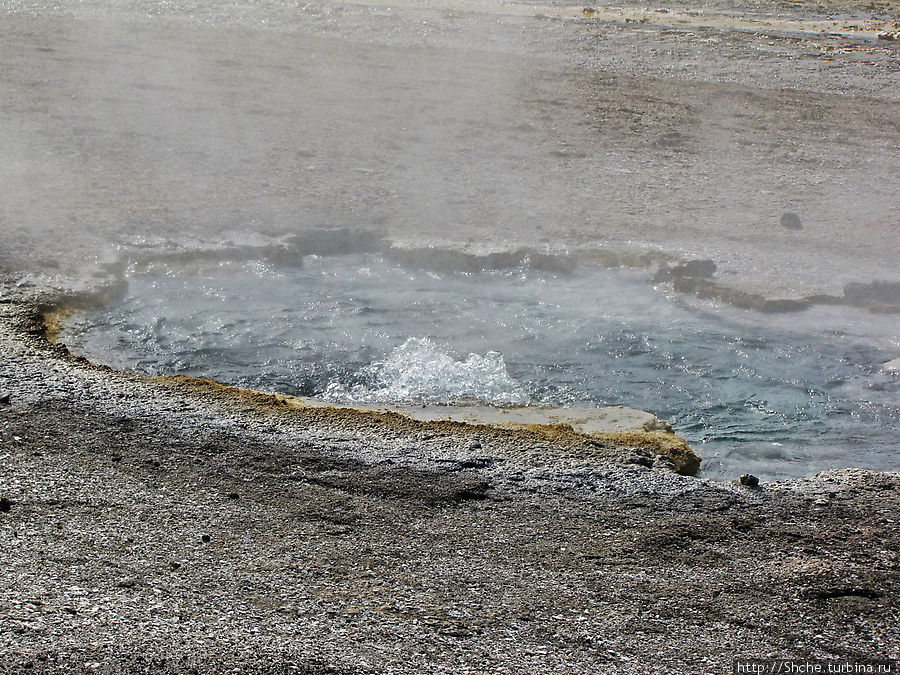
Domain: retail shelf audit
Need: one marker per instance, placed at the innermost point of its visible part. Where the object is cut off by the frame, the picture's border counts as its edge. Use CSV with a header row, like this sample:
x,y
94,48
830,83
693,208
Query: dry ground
x,y
148,527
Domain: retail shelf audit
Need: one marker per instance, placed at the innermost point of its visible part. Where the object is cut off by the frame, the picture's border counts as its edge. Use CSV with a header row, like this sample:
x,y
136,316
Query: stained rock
x,y
705,288
659,443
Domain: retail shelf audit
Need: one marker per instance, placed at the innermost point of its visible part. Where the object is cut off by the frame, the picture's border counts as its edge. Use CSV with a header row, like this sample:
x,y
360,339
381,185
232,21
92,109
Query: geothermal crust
x,y
744,152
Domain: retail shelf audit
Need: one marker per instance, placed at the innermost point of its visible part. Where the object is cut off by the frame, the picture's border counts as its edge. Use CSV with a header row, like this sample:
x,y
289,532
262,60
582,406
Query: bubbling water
x,y
778,395
418,371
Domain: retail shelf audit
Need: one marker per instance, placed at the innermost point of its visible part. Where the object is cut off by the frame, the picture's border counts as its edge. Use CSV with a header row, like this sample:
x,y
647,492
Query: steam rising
x,y
180,124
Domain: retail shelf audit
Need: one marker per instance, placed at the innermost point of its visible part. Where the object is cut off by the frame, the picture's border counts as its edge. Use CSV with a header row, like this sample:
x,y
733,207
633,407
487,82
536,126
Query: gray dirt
x,y
175,526
172,526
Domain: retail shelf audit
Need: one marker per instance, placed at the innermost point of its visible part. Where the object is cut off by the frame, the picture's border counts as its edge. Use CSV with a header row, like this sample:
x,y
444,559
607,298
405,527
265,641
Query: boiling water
x,y
778,395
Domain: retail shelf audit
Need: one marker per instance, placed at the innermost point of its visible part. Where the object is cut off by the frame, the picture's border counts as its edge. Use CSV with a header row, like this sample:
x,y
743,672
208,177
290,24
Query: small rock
x,y
4,398
5,505
233,495
127,582
749,480
205,538
174,565
791,221
475,445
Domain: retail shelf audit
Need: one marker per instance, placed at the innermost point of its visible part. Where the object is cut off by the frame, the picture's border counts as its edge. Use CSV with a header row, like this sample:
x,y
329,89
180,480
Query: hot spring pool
x,y
776,395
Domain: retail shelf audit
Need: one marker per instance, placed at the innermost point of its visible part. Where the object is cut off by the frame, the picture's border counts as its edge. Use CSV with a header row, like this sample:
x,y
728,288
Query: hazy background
x,y
480,125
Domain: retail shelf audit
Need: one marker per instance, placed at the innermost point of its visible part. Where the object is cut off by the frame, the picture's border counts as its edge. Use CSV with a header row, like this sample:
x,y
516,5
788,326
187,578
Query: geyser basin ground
x,y
780,396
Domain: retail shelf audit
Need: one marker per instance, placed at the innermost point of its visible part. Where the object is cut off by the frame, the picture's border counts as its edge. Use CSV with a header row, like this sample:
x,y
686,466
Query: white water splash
x,y
419,371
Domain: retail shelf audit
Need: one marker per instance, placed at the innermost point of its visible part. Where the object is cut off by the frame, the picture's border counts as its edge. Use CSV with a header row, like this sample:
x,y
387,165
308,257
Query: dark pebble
x,y
4,398
233,495
791,221
174,565
749,480
474,445
5,505
205,538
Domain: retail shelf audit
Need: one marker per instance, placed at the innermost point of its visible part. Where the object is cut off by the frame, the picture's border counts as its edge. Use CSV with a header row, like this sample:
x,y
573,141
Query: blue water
x,y
776,395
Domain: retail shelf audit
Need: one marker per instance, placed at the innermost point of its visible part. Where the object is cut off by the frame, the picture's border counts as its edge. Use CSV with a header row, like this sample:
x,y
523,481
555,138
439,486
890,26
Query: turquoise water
x,y
776,395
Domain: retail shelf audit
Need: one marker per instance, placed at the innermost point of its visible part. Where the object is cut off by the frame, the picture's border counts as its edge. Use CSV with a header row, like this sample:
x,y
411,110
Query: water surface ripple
x,y
780,396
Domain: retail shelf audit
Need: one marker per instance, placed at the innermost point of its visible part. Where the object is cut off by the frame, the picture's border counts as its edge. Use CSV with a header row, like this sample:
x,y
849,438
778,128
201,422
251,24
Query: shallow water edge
x,y
759,348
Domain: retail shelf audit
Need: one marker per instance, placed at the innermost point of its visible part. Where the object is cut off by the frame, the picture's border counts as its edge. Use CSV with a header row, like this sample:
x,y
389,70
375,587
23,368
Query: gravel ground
x,y
177,526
